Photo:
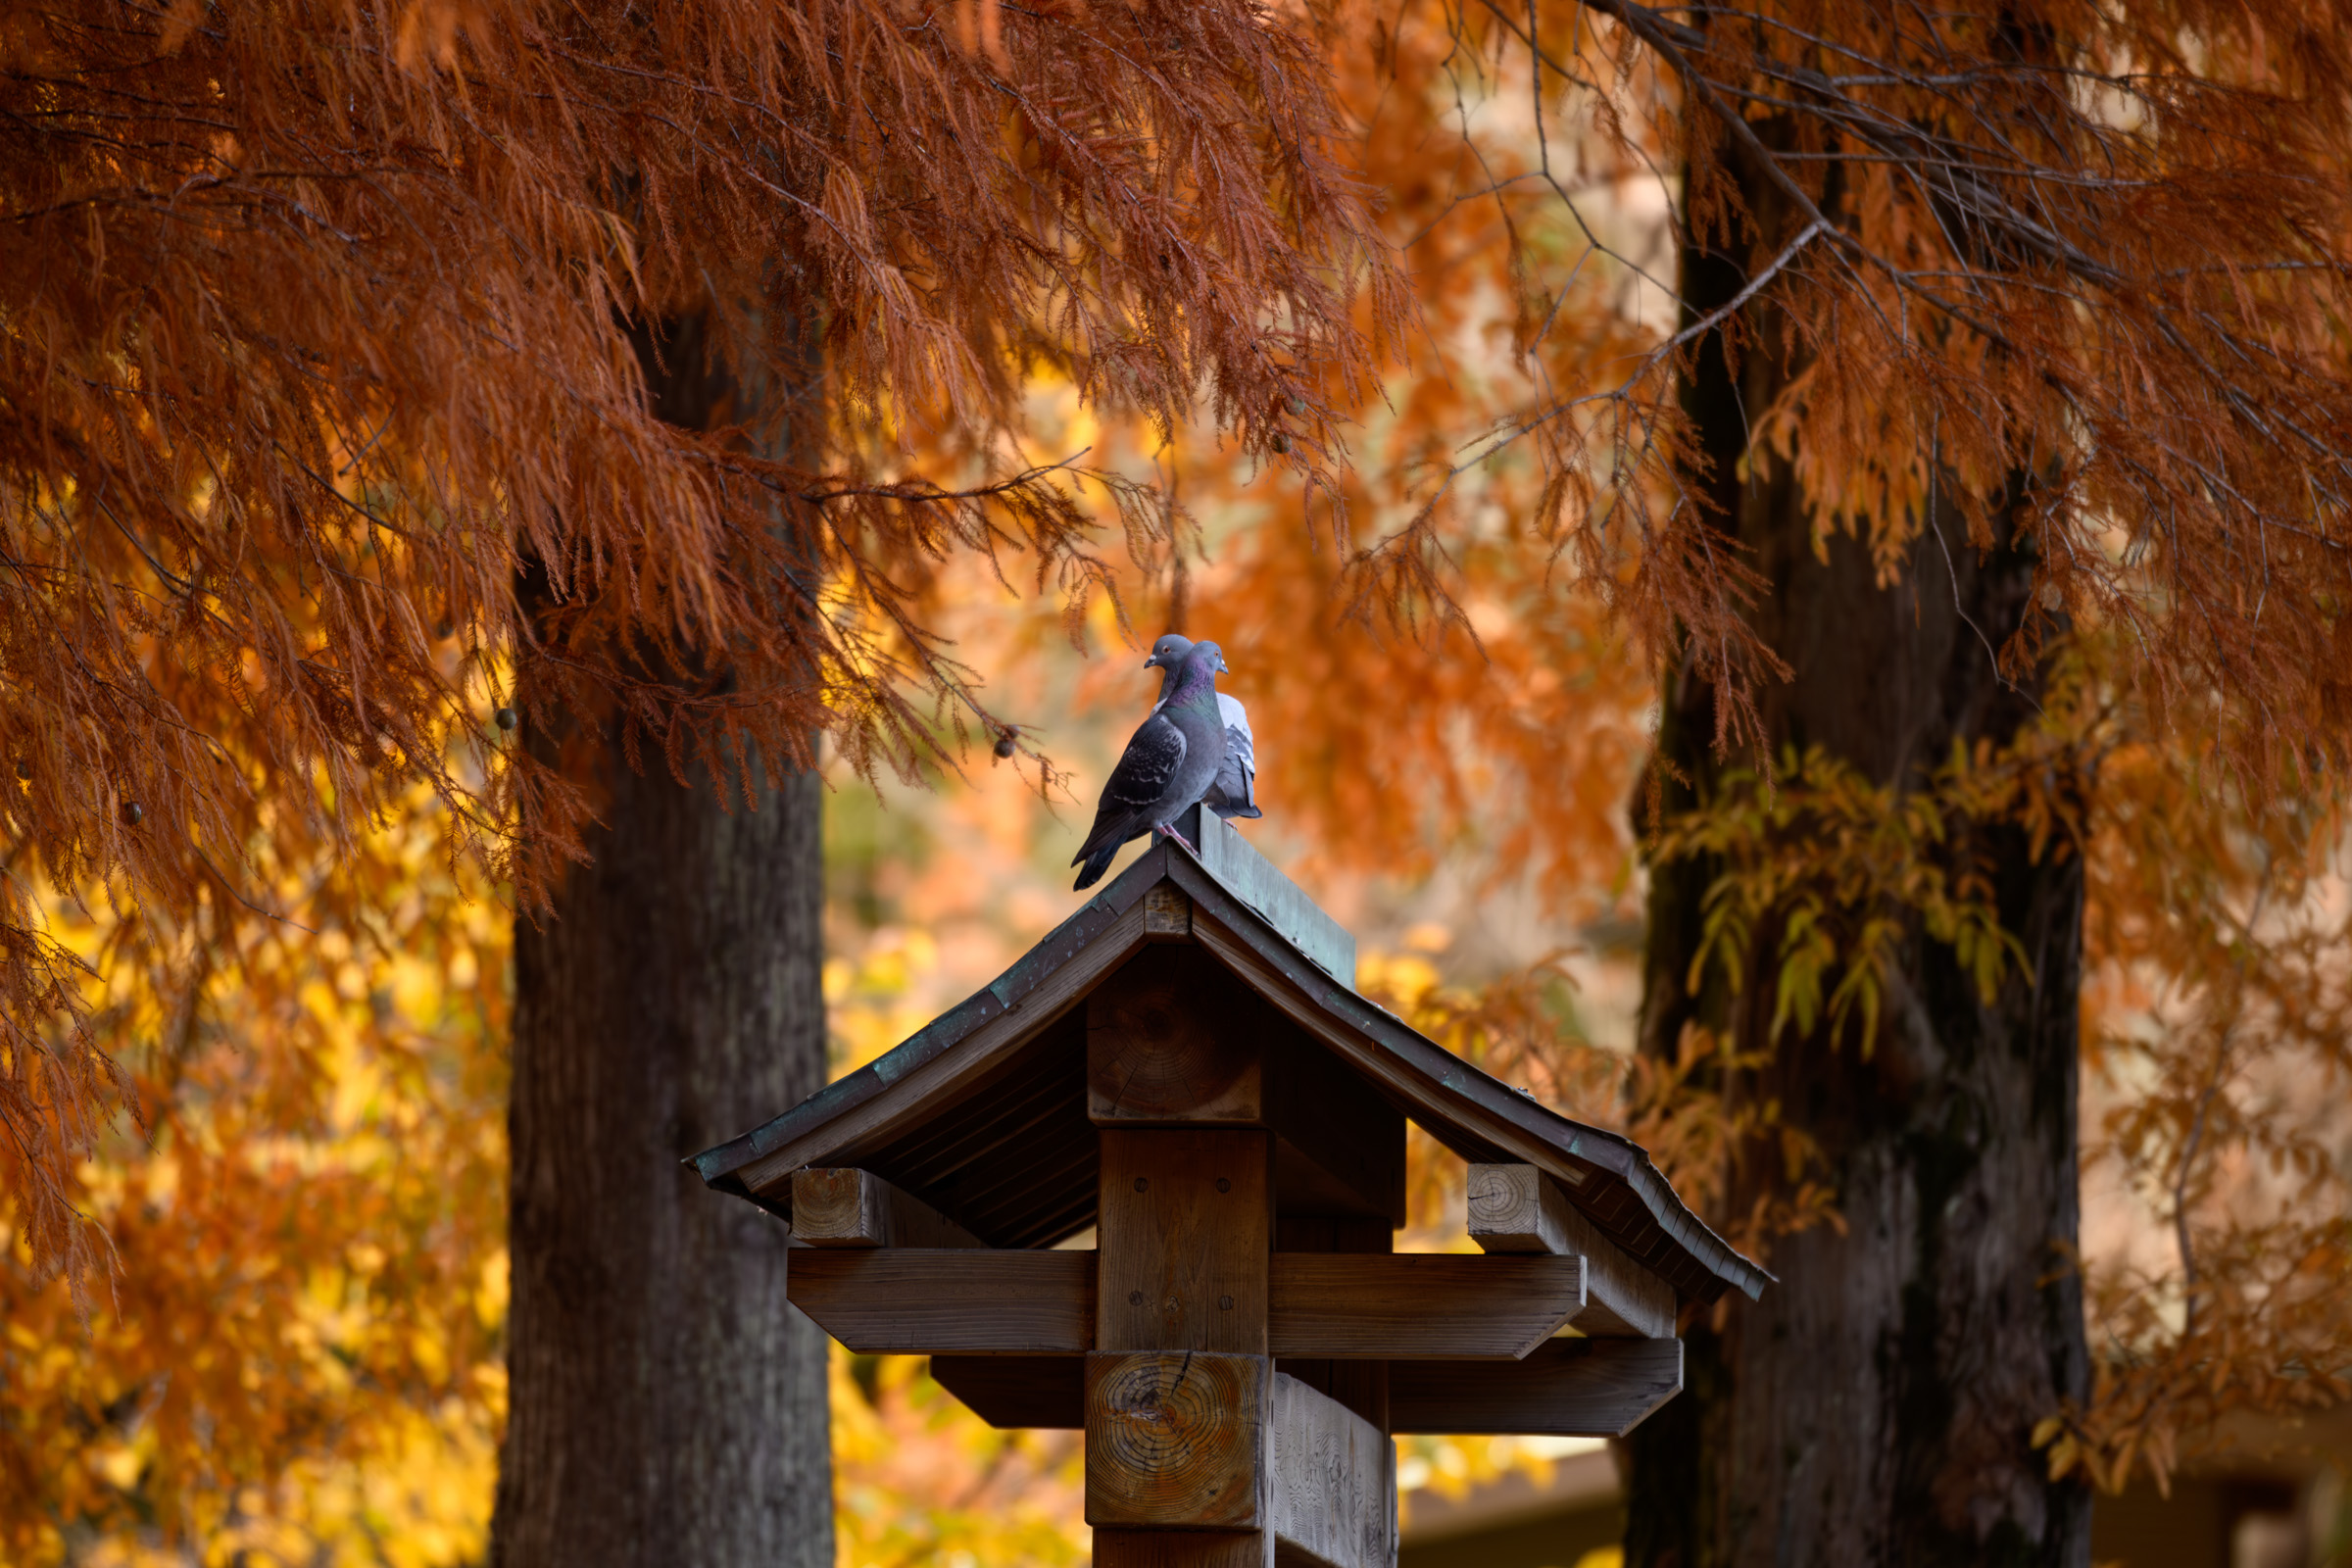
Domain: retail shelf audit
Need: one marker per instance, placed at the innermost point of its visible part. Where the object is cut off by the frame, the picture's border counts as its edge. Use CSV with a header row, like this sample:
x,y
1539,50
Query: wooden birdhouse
x,y
1184,1066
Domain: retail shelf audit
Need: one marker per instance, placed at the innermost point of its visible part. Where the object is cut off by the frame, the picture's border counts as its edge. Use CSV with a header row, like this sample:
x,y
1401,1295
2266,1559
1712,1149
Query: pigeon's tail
x,y
1096,864
1229,811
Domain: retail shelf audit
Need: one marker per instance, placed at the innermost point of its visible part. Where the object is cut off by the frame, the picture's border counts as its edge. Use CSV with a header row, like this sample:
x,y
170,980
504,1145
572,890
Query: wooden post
x,y
1173,1039
1182,1241
1179,1389
1241,1346
1177,1440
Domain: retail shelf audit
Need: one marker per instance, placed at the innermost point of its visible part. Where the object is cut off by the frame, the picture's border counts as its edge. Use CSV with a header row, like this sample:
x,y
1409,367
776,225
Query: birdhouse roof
x,y
983,1111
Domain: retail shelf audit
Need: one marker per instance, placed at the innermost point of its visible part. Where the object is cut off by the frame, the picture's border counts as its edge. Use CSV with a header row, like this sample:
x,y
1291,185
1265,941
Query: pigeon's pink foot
x,y
1169,828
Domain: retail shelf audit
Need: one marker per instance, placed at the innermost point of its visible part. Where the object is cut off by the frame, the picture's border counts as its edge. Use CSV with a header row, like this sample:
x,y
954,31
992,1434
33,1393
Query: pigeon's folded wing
x,y
1234,793
1150,761
1236,729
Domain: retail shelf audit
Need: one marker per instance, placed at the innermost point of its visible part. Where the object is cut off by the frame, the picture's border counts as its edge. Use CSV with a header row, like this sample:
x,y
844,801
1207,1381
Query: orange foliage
x,y
318,328
2093,260
299,1348
2092,263
2218,1054
318,334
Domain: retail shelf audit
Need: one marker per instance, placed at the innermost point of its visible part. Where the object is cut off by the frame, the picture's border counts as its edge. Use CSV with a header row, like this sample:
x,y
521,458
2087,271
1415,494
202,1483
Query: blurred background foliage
x,y
296,1356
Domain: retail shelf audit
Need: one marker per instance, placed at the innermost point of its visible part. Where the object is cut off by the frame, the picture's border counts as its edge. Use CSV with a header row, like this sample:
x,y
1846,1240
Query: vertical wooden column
x,y
1179,1391
1200,1452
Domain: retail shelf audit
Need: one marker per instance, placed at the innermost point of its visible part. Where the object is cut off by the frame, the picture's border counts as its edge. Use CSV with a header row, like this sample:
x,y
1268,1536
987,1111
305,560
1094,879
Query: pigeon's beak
x,y
1223,669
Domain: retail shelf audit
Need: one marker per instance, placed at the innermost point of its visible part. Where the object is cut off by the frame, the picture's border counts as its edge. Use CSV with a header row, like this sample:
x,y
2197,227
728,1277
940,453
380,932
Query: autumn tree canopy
x,y
319,330
1787,332
2050,290
2086,261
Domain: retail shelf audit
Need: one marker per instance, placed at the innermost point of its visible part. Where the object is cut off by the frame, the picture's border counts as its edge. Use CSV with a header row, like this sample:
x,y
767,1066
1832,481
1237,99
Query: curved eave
x,y
720,1166
1609,1177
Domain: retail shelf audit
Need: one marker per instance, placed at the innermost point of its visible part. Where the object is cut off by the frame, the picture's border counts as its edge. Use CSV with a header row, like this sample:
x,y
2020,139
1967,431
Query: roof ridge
x,y
1264,928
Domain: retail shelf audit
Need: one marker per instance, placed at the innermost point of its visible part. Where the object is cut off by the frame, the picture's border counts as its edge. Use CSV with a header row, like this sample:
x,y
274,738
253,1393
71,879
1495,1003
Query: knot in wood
x,y
1171,1440
1160,1051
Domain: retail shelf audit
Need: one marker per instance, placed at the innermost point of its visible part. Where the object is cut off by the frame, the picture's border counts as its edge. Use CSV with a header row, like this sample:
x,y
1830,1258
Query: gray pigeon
x,y
1168,766
1234,793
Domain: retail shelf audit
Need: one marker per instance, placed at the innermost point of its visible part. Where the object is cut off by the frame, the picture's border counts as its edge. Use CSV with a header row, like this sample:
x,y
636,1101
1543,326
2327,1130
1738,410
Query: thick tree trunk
x,y
1875,1406
667,1406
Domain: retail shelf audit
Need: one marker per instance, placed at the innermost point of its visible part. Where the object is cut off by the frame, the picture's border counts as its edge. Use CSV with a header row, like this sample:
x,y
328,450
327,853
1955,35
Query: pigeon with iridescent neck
x,y
1168,766
1234,793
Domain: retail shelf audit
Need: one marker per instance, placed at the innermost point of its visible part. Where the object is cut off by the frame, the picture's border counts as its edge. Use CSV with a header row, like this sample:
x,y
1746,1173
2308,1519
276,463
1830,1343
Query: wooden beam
x,y
1566,1388
1183,1548
1037,1392
1328,1306
1518,1209
917,1301
1361,1385
1174,1039
1167,912
1334,1490
1570,1389
1176,1439
1162,1046
1183,1222
842,1207
1376,1306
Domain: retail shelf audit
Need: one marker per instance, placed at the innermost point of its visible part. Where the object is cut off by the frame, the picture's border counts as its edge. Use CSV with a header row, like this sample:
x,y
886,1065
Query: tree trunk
x,y
1875,1406
667,1406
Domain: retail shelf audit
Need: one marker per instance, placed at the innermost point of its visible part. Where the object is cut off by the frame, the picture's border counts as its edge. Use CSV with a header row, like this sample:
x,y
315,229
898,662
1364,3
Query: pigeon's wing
x,y
1237,721
1153,756
1234,793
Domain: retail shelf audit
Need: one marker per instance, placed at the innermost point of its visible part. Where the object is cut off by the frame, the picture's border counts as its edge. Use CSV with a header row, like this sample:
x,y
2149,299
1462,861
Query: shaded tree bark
x,y
667,1406
1875,1406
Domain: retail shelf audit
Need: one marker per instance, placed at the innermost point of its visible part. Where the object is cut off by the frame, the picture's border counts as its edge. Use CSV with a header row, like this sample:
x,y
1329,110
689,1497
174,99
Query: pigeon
x,y
1234,793
1169,763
